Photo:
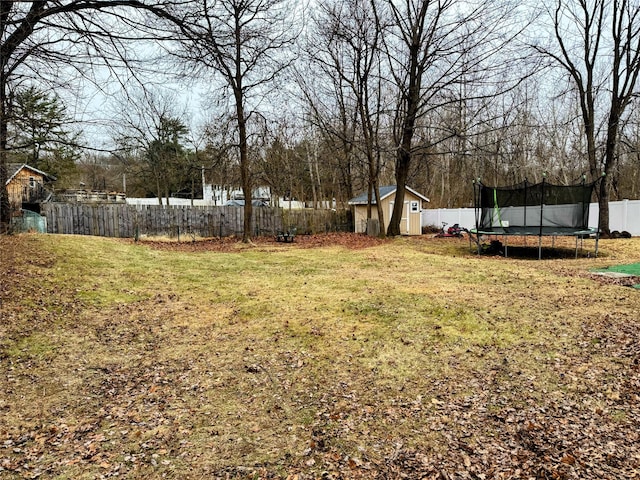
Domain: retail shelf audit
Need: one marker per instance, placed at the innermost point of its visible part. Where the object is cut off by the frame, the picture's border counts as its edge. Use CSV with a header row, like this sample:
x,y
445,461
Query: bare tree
x,y
334,118
420,32
218,156
346,49
431,45
471,119
628,175
151,137
243,42
39,40
597,44
328,96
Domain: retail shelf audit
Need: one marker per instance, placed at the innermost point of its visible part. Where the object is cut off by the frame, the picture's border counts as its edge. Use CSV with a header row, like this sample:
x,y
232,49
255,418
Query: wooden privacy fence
x,y
130,221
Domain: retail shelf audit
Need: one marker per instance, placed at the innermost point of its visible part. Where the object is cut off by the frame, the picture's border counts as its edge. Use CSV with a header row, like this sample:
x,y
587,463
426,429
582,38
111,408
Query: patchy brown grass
x,y
336,356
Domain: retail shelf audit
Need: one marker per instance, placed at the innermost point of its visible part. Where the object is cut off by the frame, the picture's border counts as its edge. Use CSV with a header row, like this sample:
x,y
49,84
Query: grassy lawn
x,y
408,358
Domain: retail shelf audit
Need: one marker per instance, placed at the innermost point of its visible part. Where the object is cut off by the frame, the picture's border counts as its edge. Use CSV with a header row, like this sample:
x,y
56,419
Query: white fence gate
x,y
623,216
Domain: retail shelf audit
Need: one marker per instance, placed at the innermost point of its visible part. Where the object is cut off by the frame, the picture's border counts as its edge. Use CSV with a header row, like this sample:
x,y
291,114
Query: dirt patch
x,y
230,244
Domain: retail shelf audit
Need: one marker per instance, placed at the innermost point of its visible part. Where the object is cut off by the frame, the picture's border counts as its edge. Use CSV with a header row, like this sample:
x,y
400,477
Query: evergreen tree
x,y
39,133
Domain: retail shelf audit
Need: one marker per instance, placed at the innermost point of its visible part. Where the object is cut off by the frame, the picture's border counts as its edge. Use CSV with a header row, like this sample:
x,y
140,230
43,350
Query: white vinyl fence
x,y
623,216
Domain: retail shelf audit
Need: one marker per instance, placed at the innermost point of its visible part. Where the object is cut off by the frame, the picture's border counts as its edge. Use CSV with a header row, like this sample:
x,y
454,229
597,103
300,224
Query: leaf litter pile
x,y
336,357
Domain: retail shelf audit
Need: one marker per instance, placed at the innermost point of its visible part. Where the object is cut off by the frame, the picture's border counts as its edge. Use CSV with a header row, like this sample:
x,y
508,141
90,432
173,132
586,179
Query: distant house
x,y
411,222
240,203
27,187
227,195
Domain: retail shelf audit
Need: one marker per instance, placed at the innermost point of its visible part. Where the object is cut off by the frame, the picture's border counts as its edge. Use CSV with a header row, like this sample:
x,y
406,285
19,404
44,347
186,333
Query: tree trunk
x,y
158,190
403,155
245,170
310,162
402,171
609,166
5,207
410,101
376,189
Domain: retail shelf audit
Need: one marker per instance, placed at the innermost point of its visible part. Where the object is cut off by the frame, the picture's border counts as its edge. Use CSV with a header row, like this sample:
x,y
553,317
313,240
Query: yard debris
x,y
230,244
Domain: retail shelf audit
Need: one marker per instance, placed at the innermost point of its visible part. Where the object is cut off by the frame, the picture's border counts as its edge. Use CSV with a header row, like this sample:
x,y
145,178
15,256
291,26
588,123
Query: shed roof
x,y
385,192
14,168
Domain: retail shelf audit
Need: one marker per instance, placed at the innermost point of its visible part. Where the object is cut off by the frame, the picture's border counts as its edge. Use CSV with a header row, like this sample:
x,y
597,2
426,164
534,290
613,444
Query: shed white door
x,y
404,221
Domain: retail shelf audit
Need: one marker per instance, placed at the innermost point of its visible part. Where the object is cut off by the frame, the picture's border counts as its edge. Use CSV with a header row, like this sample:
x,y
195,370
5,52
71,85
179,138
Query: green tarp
x,y
630,269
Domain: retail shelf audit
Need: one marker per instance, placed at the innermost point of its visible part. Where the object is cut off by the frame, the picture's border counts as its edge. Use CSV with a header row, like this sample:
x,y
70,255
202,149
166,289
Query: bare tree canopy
x,y
431,46
151,135
46,40
421,93
597,44
345,47
245,44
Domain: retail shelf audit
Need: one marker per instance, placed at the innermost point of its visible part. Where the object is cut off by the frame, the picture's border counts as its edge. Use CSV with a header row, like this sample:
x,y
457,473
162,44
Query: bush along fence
x,y
132,221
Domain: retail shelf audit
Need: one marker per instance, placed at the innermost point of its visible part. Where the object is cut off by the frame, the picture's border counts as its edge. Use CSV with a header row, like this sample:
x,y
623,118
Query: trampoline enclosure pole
x,y
542,205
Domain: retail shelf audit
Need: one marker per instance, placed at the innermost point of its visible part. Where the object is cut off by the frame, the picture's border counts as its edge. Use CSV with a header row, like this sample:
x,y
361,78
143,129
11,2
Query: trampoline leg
x,y
576,247
539,248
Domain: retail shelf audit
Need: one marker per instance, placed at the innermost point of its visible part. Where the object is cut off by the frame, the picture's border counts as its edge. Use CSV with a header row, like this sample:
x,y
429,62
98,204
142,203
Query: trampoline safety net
x,y
533,209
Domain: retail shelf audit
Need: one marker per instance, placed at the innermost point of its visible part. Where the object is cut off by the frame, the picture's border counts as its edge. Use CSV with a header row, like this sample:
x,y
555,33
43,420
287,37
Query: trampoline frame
x,y
544,227
580,236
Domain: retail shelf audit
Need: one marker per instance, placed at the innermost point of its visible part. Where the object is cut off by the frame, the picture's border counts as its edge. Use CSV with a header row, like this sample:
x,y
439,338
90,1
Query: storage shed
x,y
411,222
27,186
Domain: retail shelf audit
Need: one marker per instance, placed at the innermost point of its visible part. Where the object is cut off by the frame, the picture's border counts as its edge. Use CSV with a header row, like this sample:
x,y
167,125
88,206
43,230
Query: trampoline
x,y
541,210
